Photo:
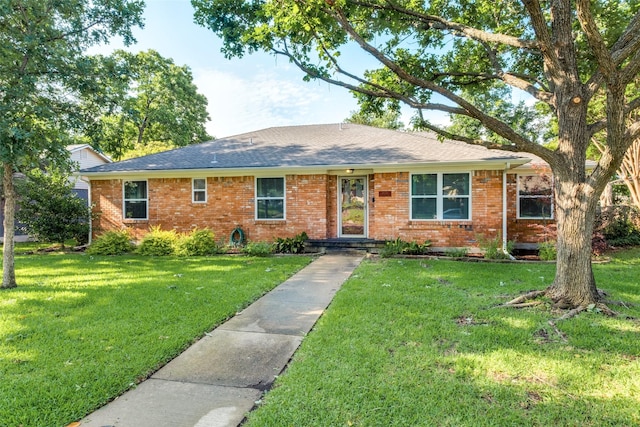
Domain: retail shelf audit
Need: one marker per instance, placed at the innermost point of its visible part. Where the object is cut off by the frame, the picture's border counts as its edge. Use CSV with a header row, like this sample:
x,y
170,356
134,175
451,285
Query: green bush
x,y
158,242
456,252
50,211
492,248
290,245
399,246
111,243
547,251
619,225
199,242
260,249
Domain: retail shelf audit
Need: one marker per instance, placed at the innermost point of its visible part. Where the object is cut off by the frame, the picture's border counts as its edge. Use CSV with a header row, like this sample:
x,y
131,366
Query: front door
x,y
353,207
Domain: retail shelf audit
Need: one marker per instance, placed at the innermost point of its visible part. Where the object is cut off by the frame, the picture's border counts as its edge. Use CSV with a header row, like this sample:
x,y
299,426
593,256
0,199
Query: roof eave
x,y
491,164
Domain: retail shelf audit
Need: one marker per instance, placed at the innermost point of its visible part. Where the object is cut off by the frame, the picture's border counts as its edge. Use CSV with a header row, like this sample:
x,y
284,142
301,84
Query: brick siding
x,y
311,206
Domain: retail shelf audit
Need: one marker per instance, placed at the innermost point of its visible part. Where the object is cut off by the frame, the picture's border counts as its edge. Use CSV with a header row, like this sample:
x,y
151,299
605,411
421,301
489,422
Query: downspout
x,y
88,181
504,211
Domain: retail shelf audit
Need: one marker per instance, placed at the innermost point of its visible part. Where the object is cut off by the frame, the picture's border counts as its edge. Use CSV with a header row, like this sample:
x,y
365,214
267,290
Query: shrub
x,y
260,249
492,248
619,225
158,242
199,242
456,252
547,251
51,211
111,243
399,246
290,245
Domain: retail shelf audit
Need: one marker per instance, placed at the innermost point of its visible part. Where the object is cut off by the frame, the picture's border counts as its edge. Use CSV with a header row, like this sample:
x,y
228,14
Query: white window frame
x,y
145,200
518,197
439,196
195,190
283,198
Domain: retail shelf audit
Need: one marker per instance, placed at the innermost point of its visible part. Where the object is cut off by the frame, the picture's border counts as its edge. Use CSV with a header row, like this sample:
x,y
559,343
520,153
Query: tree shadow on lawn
x,y
119,322
438,336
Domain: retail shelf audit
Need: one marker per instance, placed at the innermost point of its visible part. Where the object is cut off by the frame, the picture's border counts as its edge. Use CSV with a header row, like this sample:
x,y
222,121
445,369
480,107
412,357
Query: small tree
x,y
146,104
50,210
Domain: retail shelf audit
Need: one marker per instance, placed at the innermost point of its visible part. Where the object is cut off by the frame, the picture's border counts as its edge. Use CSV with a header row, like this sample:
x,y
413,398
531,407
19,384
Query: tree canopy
x,y
42,70
474,60
146,103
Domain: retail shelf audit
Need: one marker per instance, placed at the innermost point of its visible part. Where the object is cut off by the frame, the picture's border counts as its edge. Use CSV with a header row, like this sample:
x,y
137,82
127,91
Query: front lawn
x,y
423,343
80,330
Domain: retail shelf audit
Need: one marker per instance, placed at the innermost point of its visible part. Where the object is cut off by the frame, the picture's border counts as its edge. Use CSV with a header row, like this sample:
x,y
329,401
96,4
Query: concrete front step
x,y
348,245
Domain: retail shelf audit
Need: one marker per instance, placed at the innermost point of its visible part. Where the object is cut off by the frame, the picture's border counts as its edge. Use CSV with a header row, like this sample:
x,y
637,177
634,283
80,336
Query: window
x,y
199,186
440,196
535,196
135,199
270,198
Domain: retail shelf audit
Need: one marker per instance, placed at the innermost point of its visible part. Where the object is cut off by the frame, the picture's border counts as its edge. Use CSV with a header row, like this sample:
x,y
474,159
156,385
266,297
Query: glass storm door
x,y
353,207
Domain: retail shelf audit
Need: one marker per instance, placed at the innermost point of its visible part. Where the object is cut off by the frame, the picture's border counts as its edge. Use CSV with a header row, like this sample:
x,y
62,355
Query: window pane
x,y
199,184
455,184
535,207
270,187
424,185
455,208
270,209
534,185
135,190
199,196
135,210
423,208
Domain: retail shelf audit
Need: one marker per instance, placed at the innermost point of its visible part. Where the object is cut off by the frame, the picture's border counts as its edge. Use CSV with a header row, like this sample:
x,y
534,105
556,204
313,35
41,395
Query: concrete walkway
x,y
215,382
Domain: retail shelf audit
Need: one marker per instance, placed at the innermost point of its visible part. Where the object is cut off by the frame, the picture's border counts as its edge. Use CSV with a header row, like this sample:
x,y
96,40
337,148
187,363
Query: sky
x,y
247,94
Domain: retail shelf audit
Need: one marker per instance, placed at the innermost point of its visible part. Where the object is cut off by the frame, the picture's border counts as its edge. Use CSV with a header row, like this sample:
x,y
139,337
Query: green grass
x,y
423,343
80,330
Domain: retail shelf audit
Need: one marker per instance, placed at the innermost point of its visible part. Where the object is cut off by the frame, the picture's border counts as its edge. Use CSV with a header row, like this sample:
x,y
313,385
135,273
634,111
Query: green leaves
x,y
145,103
50,210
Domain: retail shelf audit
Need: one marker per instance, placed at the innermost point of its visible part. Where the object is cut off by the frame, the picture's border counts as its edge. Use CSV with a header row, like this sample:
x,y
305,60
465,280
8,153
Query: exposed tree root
x,y
522,298
524,304
619,303
569,314
525,300
561,334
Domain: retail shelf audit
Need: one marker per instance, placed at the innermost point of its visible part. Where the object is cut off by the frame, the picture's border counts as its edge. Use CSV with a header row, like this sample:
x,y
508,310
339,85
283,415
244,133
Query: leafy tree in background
x,y
446,55
147,104
388,119
50,210
42,70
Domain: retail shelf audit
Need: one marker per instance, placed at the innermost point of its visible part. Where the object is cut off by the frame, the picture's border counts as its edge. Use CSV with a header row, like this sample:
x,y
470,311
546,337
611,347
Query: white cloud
x,y
239,104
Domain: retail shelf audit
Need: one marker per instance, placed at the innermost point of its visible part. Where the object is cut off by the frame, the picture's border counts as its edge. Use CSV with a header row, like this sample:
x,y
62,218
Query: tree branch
x,y
490,122
440,23
600,125
604,60
380,91
628,41
551,62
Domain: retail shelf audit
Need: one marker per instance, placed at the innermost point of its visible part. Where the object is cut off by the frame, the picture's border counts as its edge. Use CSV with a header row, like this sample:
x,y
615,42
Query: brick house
x,y
339,181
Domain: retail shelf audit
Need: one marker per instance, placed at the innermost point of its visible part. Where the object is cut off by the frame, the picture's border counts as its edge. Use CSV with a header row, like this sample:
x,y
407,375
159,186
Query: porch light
x,y
349,171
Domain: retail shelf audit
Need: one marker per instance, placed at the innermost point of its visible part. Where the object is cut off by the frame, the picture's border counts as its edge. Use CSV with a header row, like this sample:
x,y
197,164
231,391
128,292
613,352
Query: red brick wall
x,y
230,203
525,230
390,216
311,206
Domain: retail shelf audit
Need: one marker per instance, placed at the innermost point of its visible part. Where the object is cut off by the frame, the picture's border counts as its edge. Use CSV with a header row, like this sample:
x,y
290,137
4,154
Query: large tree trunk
x,y
574,284
8,270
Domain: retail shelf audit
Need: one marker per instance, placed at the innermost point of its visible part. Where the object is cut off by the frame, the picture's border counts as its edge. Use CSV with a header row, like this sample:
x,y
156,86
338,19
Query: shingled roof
x,y
313,146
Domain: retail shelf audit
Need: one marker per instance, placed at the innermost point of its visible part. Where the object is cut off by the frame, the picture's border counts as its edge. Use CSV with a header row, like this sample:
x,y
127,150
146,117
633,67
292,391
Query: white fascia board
x,y
311,170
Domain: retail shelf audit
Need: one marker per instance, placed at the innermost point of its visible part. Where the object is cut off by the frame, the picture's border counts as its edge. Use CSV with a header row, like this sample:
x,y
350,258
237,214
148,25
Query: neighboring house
x,y
85,156
341,181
